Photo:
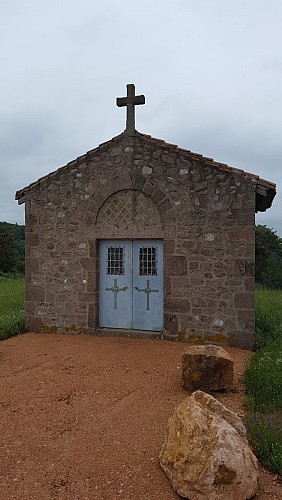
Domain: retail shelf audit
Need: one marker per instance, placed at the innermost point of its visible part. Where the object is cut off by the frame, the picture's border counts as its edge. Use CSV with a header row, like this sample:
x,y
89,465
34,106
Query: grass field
x,y
263,380
11,306
268,317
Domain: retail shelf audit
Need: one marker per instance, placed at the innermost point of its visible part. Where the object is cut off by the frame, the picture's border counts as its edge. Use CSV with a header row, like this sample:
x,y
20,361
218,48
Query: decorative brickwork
x,y
129,207
138,187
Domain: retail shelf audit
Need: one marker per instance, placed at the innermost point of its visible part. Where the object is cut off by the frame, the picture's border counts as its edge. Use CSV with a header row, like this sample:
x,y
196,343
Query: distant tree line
x,y
11,248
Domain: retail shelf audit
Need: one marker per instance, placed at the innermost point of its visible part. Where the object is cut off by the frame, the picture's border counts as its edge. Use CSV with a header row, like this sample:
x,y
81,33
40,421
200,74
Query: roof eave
x,y
265,193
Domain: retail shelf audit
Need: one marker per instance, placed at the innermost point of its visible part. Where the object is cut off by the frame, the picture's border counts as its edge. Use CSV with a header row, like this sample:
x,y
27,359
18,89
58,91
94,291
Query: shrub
x,y
263,379
11,323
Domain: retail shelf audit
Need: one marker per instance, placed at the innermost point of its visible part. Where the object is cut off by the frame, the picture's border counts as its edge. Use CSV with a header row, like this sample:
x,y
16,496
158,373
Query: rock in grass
x,y
206,367
205,454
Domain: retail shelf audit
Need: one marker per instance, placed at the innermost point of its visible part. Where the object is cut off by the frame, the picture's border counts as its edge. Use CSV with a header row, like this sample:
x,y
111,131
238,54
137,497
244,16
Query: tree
x,y
268,249
8,257
11,248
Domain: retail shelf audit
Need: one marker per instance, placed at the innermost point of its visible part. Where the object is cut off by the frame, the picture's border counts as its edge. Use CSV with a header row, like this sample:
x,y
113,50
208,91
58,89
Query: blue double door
x,y
131,284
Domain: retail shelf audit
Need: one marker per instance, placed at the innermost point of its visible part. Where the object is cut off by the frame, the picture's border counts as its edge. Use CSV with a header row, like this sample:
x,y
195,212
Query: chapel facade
x,y
140,237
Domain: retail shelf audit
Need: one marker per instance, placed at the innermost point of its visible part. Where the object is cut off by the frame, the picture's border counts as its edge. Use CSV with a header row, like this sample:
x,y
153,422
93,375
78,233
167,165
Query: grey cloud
x,y
211,73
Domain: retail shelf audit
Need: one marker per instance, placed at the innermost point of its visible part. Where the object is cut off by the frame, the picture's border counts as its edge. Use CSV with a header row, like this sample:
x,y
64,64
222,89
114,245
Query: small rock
x,y
207,367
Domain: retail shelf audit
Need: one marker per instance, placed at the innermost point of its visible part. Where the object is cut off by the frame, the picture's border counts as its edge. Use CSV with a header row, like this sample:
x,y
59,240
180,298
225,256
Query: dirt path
x,y
83,418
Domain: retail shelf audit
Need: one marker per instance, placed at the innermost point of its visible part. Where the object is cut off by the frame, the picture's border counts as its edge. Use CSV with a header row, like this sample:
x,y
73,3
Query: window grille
x,y
148,261
115,260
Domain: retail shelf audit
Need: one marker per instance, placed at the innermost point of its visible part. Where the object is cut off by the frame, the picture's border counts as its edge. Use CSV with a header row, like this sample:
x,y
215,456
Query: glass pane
x,y
148,261
115,261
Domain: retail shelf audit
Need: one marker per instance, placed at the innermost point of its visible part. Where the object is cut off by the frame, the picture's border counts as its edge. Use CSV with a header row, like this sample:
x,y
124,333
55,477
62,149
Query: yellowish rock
x,y
205,454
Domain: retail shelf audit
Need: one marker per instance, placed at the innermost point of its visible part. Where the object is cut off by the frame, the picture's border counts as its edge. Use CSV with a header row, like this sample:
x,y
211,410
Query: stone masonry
x,y
202,210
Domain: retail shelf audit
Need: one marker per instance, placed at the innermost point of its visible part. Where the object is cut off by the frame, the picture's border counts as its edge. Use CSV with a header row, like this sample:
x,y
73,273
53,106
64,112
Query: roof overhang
x,y
265,193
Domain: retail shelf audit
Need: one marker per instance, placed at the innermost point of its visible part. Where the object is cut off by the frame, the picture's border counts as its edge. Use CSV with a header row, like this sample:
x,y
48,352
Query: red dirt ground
x,y
84,418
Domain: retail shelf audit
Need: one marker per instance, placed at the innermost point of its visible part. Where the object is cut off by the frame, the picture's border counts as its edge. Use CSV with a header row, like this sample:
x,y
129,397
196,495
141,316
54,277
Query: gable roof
x,y
265,190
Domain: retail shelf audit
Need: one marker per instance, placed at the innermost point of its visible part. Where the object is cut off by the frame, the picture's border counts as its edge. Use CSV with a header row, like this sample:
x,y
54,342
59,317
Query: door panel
x,y
131,284
147,285
116,284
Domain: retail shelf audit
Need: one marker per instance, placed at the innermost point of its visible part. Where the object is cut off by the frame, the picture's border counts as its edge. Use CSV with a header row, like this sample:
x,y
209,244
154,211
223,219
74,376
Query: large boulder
x,y
205,454
206,367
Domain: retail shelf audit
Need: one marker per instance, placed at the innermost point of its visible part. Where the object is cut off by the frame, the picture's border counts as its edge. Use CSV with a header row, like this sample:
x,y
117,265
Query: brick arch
x,y
131,207
149,186
141,183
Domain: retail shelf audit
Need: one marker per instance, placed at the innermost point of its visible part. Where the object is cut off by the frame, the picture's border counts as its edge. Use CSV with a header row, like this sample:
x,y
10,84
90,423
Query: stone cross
x,y
130,102
115,289
147,290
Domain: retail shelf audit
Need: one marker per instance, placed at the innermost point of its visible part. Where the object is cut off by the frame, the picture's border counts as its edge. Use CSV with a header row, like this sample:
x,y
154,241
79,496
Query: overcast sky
x,y
211,71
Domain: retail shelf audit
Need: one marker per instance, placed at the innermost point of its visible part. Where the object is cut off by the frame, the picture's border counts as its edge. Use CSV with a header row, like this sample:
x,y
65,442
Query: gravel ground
x,y
84,418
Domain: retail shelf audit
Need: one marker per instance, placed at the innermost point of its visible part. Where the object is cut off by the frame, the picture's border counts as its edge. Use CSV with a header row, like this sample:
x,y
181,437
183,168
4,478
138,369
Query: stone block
x,y
164,206
242,339
33,324
34,293
181,287
92,316
176,305
91,282
32,239
30,308
168,217
175,265
206,367
246,319
86,297
149,188
139,182
244,267
158,196
169,246
171,323
197,278
116,151
249,284
32,264
189,244
193,265
88,264
240,233
167,286
245,300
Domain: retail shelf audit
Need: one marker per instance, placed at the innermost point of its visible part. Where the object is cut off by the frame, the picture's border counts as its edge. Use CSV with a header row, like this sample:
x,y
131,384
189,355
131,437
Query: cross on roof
x,y
130,102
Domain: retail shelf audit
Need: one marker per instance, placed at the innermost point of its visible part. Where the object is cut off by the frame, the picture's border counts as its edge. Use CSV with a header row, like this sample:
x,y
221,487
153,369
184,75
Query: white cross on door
x,y
131,284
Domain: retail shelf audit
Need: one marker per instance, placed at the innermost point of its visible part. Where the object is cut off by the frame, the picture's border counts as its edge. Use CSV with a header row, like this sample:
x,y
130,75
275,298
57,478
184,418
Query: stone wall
x,y
206,222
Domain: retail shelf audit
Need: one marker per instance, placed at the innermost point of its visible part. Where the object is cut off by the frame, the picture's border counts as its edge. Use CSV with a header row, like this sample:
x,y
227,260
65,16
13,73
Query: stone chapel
x,y
143,238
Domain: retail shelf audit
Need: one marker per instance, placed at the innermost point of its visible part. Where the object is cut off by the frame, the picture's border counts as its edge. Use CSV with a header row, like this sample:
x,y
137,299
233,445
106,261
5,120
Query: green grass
x,y
11,306
268,316
263,381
